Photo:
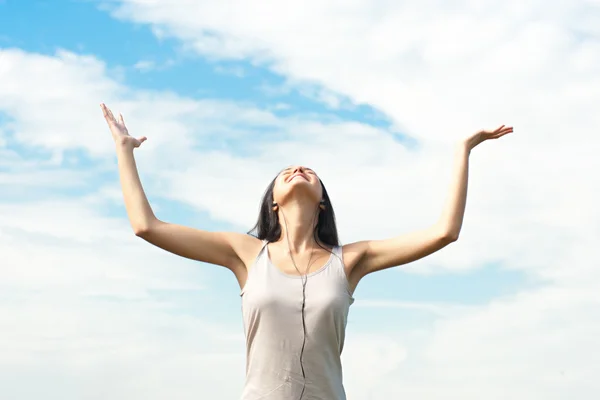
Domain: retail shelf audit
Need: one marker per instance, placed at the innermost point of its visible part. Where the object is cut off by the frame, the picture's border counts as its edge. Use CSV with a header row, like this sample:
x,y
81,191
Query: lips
x,y
296,175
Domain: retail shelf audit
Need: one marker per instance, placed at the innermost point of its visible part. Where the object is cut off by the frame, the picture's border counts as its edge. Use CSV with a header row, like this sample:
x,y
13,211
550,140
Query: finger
x,y
110,119
499,128
107,113
111,116
142,139
104,110
503,133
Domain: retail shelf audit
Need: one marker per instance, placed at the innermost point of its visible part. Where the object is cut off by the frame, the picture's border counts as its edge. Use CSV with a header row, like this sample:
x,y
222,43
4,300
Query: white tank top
x,y
272,314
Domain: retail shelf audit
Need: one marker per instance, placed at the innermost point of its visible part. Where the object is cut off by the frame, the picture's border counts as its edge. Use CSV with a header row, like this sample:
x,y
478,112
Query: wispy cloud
x,y
439,309
150,65
236,71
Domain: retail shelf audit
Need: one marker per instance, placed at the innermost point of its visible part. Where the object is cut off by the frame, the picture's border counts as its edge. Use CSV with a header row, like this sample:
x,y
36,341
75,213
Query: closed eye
x,y
289,170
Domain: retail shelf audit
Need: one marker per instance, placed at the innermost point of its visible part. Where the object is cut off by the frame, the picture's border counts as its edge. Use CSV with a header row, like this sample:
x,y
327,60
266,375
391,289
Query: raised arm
x,y
374,255
228,249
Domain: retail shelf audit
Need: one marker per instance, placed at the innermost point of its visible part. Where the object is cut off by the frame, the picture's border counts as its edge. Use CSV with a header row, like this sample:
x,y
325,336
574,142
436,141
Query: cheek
x,y
276,190
318,188
319,191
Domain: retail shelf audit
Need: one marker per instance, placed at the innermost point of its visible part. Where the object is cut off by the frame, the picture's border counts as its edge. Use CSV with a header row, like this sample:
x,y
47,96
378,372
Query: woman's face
x,y
297,181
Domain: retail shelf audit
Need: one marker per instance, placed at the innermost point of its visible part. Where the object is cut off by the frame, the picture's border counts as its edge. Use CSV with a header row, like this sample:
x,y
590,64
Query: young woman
x,y
296,280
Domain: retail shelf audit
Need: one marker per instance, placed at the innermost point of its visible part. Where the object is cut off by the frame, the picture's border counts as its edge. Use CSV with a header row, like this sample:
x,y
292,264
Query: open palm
x,y
483,135
119,130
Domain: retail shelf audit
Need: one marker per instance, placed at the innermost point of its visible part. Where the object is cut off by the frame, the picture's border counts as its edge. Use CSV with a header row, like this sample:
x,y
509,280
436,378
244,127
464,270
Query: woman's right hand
x,y
119,130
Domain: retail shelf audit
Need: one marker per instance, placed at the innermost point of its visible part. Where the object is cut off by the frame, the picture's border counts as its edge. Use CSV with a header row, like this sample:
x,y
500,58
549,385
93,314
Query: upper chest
x,y
303,263
275,279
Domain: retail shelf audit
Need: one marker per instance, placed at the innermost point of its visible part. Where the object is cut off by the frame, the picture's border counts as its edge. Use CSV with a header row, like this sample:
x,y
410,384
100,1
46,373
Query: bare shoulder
x,y
245,246
353,253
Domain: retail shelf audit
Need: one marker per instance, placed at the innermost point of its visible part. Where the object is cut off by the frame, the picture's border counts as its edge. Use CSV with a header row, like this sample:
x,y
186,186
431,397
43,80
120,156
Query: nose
x,y
298,168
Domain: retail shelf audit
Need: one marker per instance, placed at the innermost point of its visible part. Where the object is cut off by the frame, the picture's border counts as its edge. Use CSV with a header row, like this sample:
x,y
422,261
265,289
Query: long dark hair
x,y
268,227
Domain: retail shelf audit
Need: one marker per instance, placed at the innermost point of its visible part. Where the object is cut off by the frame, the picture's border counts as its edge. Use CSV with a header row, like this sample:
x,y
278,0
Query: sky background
x,y
373,95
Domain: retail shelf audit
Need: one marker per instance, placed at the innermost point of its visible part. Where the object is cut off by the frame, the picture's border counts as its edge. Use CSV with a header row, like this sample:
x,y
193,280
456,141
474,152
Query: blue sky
x,y
122,45
375,101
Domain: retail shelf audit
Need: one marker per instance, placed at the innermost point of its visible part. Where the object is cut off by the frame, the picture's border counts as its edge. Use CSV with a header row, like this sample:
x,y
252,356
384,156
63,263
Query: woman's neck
x,y
298,220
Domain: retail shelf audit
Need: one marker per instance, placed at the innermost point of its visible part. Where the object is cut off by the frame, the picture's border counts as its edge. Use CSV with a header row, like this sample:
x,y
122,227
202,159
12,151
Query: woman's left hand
x,y
484,135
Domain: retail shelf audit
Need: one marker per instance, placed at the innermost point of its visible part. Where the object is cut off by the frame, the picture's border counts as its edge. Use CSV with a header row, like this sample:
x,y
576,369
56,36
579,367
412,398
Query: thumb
x,y
138,141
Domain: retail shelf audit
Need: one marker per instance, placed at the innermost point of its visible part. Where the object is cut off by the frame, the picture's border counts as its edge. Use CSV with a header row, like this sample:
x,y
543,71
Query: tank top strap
x,y
337,250
339,266
262,256
265,242
258,265
338,261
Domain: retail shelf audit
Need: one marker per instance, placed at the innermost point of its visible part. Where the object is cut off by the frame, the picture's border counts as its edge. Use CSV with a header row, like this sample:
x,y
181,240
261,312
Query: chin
x,y
303,189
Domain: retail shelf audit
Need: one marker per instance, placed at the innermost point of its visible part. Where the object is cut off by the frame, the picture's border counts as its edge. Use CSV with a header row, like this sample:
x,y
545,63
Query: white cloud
x,y
151,65
438,309
438,76
144,65
439,72
538,345
78,303
236,70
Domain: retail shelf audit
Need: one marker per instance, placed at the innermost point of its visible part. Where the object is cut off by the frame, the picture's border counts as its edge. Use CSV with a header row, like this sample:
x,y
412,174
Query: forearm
x,y
454,210
136,203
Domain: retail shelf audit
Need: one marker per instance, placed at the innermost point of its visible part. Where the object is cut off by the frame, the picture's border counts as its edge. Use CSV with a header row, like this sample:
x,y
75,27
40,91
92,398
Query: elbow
x,y
446,234
141,229
450,237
